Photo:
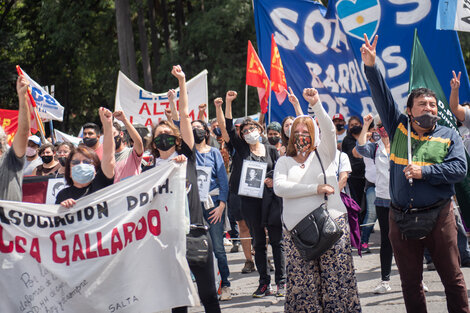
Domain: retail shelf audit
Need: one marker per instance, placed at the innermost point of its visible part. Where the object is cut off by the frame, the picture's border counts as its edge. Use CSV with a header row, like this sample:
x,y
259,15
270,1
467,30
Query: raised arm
x,y
138,144
229,97
328,131
107,161
185,120
202,115
455,107
171,94
295,102
362,139
20,142
381,95
219,112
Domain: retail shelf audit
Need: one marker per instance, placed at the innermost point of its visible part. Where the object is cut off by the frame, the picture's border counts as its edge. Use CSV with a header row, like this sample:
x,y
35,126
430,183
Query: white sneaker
x,y
425,288
226,294
227,242
384,287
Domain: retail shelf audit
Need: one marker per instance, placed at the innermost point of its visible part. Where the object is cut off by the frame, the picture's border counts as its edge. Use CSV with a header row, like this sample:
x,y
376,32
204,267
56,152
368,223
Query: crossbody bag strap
x,y
323,170
324,179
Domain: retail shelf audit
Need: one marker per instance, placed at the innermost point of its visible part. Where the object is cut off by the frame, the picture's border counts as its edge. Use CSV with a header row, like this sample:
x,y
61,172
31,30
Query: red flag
x,y
278,78
9,123
256,76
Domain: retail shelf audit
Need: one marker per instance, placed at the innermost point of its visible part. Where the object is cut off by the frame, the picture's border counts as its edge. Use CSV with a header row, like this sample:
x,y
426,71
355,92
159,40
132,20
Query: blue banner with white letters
x,y
319,48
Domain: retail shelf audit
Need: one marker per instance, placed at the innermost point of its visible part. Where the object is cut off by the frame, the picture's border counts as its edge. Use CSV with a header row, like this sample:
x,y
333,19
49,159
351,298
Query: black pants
x,y
251,210
356,188
386,252
205,281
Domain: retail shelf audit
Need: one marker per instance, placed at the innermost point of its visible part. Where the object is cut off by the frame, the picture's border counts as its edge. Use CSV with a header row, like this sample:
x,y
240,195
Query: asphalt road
x,y
368,276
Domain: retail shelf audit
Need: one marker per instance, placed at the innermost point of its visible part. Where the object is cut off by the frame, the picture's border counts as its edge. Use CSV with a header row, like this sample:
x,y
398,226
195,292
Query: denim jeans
x,y
216,232
371,214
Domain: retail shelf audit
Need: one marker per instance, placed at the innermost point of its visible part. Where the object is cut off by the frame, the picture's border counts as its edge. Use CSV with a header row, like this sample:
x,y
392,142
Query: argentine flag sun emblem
x,y
359,17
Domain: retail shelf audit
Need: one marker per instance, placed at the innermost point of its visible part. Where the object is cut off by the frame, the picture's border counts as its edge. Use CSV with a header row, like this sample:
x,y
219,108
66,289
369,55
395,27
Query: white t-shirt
x,y
29,166
370,173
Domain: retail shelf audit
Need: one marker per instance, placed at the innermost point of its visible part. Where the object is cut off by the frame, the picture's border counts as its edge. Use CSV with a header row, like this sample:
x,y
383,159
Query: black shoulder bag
x,y
317,232
197,246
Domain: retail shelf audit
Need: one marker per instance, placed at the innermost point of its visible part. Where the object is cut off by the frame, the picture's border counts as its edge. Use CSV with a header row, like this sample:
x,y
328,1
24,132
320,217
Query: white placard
x,y
252,179
54,185
203,181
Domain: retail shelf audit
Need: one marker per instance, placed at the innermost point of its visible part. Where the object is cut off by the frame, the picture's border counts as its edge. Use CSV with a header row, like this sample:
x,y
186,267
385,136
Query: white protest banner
x,y
147,108
60,136
121,249
48,107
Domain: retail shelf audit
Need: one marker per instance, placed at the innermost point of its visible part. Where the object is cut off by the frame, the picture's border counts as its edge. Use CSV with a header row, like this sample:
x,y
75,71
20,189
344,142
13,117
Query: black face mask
x,y
274,140
90,142
339,127
47,159
217,132
199,135
164,142
117,141
62,160
356,130
426,121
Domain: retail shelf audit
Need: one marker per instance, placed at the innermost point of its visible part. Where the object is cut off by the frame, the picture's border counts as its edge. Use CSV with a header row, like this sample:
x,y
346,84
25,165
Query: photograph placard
x,y
252,179
203,181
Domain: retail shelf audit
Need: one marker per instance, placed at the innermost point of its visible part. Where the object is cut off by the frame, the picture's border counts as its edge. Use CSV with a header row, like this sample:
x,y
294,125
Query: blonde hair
x,y
307,121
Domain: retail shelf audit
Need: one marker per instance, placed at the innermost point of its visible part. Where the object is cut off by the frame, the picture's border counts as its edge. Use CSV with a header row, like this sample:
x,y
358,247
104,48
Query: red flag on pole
x,y
256,76
277,76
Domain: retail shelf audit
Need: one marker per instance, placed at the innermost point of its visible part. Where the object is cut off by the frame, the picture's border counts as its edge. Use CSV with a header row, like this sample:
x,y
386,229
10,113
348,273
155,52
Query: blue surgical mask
x,y
83,173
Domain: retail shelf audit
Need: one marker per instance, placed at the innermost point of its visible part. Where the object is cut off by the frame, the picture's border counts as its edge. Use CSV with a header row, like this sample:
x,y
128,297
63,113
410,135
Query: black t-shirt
x,y
357,164
242,152
99,182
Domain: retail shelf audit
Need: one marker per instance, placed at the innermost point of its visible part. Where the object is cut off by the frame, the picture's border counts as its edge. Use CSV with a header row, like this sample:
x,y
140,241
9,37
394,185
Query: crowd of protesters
x,y
258,183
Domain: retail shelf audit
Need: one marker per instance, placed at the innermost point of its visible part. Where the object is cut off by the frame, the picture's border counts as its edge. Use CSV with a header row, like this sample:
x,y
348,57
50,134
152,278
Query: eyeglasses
x,y
76,162
248,130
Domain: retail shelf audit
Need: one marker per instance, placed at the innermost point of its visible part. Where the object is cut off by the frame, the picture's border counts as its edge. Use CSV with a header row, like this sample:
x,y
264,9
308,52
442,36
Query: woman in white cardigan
x,y
327,284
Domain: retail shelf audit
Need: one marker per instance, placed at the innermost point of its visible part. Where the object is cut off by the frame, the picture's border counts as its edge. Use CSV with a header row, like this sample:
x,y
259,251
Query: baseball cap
x,y
35,139
338,116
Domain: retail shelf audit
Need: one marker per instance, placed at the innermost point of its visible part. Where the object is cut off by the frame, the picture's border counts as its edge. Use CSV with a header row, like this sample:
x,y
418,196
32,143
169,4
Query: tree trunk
x,y
179,20
130,42
153,36
166,26
121,32
144,46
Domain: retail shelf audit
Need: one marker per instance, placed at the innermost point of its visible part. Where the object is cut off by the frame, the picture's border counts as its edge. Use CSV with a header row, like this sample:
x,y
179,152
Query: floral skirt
x,y
327,284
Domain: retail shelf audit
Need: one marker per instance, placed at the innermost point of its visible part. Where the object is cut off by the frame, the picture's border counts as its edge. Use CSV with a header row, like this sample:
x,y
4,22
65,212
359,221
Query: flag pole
x,y
246,100
269,103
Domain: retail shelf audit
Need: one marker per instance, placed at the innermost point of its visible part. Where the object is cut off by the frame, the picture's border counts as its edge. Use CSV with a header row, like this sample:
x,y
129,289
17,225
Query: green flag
x,y
422,75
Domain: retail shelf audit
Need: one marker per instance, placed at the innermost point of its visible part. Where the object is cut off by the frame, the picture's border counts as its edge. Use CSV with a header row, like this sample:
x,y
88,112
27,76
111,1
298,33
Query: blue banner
x,y
319,48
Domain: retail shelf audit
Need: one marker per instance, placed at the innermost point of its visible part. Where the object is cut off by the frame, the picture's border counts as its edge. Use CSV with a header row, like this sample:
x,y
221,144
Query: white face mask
x,y
30,152
288,131
252,138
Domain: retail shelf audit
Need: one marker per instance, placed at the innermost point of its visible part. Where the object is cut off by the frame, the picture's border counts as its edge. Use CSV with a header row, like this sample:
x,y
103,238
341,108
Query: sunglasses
x,y
76,162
